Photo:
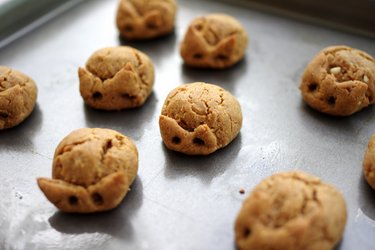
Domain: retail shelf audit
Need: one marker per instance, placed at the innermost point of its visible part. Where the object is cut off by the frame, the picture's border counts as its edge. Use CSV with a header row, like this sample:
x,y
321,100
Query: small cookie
x,y
291,210
339,81
92,171
199,118
141,19
116,78
369,163
18,94
214,41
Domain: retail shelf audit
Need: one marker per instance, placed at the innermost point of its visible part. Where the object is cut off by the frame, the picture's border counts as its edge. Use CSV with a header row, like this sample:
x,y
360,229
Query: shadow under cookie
x,y
348,125
130,122
226,78
205,168
366,198
158,49
20,137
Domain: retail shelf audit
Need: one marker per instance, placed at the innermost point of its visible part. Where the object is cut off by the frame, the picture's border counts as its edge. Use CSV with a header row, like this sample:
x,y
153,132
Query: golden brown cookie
x,y
116,78
339,81
92,171
145,19
369,163
18,94
199,118
214,41
291,210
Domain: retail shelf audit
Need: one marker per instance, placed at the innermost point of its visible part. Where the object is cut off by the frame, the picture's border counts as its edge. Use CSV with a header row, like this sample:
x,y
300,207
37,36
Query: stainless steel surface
x,y
19,17
178,202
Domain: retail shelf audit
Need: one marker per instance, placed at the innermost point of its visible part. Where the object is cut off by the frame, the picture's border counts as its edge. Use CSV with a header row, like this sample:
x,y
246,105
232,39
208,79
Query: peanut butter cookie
x,y
339,81
92,171
369,163
214,41
18,94
116,78
199,118
291,210
145,19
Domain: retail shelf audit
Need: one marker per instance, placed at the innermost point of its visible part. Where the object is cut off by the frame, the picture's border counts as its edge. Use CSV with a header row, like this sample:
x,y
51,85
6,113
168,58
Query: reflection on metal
x,y
365,227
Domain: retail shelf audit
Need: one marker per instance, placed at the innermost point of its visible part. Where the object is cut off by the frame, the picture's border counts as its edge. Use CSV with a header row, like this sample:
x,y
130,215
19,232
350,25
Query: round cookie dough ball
x,y
339,81
291,210
199,118
92,171
18,94
214,41
369,163
116,78
145,19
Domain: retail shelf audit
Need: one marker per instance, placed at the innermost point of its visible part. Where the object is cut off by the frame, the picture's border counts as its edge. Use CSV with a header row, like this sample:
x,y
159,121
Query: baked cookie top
x,y
369,162
145,19
116,78
18,94
340,81
291,210
199,118
214,41
92,171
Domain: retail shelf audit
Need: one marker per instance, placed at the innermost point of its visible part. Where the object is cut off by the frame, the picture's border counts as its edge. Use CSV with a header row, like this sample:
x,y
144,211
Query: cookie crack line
x,y
69,147
21,84
140,63
135,8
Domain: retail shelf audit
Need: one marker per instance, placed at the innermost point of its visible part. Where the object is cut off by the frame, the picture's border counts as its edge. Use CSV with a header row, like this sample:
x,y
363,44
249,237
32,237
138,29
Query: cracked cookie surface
x,y
199,118
291,210
214,41
18,94
340,81
116,78
92,171
145,19
369,163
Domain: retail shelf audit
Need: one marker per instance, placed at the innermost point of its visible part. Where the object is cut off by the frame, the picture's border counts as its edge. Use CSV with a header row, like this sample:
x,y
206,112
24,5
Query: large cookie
x,y
18,94
199,118
145,19
92,171
339,81
214,41
291,210
116,78
369,163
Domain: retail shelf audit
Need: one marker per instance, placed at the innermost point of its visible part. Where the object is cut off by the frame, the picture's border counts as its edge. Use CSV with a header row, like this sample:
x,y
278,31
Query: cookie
x,y
92,171
369,163
18,94
339,81
116,78
214,41
145,19
291,210
199,118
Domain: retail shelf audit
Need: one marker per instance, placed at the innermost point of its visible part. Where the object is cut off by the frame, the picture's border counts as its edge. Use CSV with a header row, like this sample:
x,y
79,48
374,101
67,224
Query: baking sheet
x,y
179,202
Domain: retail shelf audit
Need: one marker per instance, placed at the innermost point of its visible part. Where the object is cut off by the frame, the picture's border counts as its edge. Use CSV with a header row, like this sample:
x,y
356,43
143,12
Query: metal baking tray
x,y
178,201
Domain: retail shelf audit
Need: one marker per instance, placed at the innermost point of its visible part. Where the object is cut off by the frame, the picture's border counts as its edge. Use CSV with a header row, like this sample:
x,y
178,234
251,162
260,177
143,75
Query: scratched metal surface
x,y
178,202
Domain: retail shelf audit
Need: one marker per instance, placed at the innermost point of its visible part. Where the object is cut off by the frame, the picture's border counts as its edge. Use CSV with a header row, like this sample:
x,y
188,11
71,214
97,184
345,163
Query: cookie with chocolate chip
x,y
291,210
116,78
18,94
92,171
214,41
142,20
339,81
199,118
